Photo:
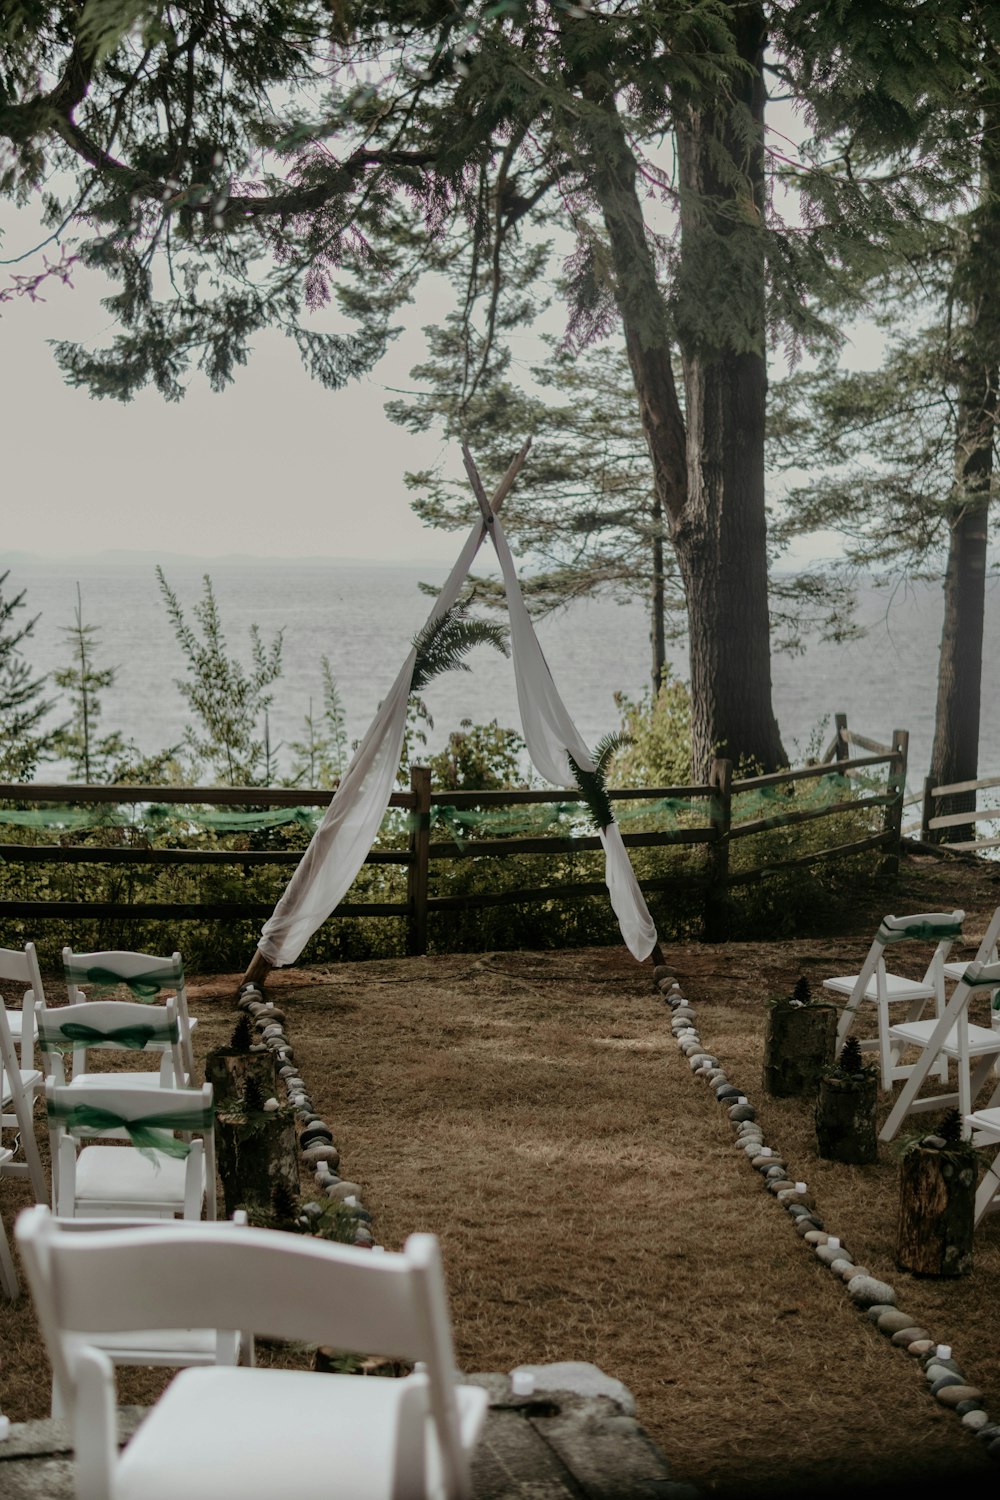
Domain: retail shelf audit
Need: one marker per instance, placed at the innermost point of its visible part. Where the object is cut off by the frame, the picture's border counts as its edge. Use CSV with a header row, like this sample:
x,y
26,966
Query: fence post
x,y
928,834
417,876
896,783
720,808
842,750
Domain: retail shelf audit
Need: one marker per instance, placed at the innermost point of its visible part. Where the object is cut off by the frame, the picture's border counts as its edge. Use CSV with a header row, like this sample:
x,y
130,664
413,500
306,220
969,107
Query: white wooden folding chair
x,y
985,1127
874,984
173,1348
952,1038
247,1434
160,1174
18,1087
987,954
21,967
8,1275
122,1026
148,979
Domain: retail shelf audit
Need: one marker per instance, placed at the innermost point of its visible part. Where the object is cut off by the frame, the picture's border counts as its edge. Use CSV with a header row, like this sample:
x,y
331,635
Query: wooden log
x,y
255,1152
799,1047
937,1210
845,1119
227,1070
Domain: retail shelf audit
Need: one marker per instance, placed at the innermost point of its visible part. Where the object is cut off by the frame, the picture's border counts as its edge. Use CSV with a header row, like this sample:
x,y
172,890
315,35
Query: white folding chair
x,y
159,1175
243,1432
8,1275
987,954
21,966
952,1038
18,1086
148,978
124,1026
875,985
985,1127
174,1348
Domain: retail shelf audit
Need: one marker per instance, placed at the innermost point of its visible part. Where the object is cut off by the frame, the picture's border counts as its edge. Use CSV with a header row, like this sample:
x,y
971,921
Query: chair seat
x,y
896,987
30,1079
144,1080
226,1427
987,1123
982,1040
122,1175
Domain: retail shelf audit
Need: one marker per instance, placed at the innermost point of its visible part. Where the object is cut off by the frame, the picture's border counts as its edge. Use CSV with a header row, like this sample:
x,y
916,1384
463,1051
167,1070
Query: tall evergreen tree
x,y
22,707
913,101
92,757
271,161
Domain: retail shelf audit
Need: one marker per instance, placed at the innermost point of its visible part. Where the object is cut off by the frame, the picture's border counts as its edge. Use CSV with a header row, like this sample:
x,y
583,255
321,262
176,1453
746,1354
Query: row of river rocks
x,y
946,1379
317,1153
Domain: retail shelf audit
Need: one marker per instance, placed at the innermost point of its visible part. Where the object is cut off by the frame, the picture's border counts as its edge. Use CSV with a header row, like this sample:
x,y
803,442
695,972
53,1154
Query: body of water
x,y
362,618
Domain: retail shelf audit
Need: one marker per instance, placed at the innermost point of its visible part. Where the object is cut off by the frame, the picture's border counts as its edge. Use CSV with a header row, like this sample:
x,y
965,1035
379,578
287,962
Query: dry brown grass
x,y
533,1111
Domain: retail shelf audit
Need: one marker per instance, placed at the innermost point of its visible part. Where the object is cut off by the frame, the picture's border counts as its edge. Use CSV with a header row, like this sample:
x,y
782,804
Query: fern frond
x,y
593,793
607,748
442,644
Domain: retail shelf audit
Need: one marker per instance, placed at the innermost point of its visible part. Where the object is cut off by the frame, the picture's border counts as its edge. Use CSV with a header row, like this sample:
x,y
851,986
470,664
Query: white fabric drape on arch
x,y
341,843
551,737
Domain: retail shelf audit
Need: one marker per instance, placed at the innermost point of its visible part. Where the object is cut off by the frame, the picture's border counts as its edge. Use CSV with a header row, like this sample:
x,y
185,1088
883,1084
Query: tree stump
x,y
227,1070
937,1210
255,1152
845,1119
798,1049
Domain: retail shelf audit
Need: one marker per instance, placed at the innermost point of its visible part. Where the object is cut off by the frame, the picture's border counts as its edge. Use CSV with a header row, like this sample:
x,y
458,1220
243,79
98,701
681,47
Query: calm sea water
x,y
362,619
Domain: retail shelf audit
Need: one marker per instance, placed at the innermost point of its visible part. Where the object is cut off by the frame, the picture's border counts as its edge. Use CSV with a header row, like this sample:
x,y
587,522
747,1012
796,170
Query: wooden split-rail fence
x,y
710,805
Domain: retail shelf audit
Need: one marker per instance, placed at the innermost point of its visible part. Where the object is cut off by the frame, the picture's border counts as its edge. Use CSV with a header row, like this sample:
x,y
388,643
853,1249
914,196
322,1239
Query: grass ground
x,y
532,1110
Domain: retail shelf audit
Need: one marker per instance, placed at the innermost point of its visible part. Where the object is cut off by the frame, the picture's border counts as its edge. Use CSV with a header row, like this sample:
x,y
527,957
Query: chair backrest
x,y
282,1285
939,927
35,1248
21,966
109,1109
108,1025
148,977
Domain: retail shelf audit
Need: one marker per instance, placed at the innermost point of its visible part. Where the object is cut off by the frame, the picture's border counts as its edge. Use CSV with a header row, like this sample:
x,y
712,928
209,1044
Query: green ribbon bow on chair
x,y
926,930
148,1133
73,1034
143,986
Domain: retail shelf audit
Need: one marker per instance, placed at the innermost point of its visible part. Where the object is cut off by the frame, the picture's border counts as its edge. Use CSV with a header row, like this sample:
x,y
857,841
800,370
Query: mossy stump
x,y
798,1048
937,1209
845,1119
256,1152
228,1068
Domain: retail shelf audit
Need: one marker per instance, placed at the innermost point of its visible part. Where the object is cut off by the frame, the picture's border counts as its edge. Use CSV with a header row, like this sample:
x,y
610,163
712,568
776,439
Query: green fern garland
x,y
442,643
592,785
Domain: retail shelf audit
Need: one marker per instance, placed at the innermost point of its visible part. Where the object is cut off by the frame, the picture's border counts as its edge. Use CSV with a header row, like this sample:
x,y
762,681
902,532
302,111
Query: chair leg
x,y
989,1189
8,1275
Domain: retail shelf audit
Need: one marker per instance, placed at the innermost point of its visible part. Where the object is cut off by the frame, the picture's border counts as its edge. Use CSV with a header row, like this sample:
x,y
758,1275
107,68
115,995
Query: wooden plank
x,y
975,844
807,815
216,796
568,892
951,820
966,786
178,912
86,854
867,744
839,851
493,848
806,773
523,795
417,880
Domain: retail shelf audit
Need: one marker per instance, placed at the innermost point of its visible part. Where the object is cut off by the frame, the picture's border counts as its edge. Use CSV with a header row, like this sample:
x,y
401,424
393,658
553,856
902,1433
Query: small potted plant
x,y
937,1202
799,1042
845,1108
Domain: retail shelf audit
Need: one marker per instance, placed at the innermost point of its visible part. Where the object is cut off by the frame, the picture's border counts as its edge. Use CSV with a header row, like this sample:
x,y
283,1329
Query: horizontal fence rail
x,y
443,827
948,809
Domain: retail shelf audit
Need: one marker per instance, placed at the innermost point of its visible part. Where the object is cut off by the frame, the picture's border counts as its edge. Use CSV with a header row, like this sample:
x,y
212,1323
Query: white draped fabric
x,y
550,733
341,843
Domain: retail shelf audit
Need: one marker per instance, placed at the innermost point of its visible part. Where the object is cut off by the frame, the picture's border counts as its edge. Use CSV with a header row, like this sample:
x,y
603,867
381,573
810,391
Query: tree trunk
x,y
799,1047
955,753
657,607
255,1153
937,1211
845,1120
228,1070
721,537
708,478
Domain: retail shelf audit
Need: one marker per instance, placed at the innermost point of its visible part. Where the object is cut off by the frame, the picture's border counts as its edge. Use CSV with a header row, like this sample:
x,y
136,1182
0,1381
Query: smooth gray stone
x,y
969,1407
844,1268
742,1112
944,1381
955,1396
867,1290
975,1420
727,1091
893,1320
935,1368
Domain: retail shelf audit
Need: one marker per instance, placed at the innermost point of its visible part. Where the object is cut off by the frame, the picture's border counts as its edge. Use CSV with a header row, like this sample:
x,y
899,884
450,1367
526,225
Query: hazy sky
x,y
275,465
